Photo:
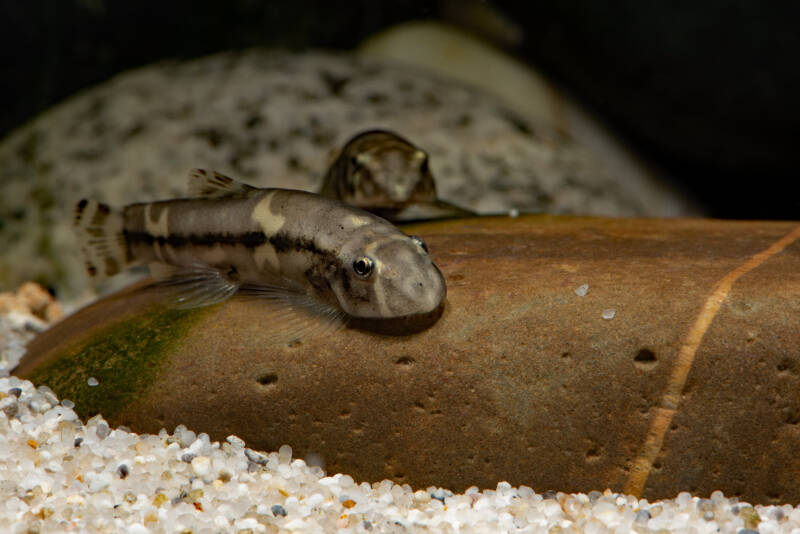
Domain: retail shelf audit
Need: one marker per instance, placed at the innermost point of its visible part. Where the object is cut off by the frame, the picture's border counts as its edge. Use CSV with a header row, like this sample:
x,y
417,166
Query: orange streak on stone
x,y
643,464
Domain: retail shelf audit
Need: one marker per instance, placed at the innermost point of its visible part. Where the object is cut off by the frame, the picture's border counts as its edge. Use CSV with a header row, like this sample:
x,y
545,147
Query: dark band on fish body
x,y
345,282
247,239
130,257
283,242
359,296
100,215
112,266
79,207
316,279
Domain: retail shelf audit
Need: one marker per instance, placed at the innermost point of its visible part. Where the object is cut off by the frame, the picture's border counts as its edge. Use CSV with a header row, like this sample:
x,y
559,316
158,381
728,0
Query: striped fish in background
x,y
312,258
381,172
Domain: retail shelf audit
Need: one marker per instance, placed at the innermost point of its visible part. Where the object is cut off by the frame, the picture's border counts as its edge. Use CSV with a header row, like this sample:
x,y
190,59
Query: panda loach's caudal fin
x,y
102,240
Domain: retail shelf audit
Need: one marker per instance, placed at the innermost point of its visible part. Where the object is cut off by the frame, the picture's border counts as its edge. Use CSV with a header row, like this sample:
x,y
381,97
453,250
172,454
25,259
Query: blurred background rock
x,y
706,91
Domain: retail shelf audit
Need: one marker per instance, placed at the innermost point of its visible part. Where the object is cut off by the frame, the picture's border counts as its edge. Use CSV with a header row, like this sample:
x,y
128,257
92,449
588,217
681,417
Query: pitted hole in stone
x,y
267,379
785,365
405,361
790,414
645,360
741,307
593,454
775,496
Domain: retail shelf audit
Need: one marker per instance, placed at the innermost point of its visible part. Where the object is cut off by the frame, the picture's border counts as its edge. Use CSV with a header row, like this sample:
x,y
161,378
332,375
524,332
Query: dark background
x,y
706,90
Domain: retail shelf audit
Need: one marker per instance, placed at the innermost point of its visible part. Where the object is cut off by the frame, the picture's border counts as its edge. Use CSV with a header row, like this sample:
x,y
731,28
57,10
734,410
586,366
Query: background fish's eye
x,y
418,240
363,266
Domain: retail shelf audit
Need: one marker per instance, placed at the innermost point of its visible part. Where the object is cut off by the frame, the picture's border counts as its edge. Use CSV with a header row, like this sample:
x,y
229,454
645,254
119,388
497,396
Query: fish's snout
x,y
419,292
432,290
400,190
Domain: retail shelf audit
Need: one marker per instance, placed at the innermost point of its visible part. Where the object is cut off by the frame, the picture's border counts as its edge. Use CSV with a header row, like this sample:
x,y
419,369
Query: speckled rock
x,y
648,356
273,118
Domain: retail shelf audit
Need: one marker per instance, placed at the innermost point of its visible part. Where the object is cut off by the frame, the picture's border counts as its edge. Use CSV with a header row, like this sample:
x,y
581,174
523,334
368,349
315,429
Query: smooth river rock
x,y
678,369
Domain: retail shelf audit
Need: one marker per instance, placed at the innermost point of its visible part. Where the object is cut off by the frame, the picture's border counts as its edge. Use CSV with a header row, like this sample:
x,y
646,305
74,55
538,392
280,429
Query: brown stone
x,y
31,298
694,384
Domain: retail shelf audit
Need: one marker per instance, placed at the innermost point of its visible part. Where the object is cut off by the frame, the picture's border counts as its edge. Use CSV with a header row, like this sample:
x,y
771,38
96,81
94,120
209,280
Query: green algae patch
x,y
124,360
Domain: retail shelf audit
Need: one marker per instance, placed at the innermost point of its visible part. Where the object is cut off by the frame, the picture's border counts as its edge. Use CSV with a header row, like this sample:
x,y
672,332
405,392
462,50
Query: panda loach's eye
x,y
363,266
420,242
